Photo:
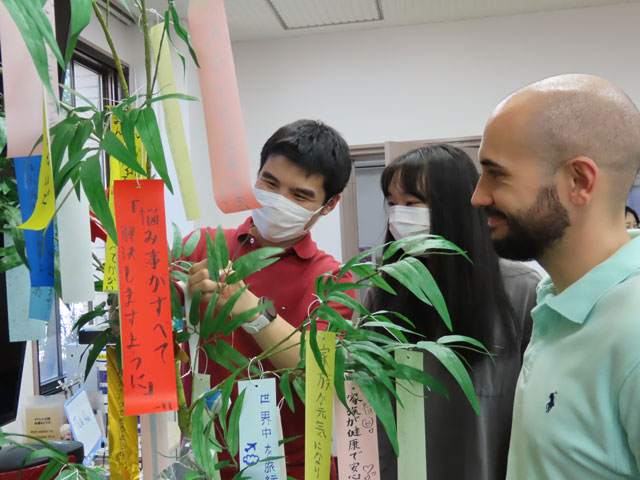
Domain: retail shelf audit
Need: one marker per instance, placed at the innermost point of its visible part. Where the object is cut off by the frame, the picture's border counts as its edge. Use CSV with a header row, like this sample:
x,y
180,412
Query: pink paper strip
x,y
221,103
356,436
22,91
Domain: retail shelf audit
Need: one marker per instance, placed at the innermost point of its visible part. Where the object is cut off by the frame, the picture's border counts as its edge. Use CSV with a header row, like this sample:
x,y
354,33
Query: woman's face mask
x,y
280,219
407,221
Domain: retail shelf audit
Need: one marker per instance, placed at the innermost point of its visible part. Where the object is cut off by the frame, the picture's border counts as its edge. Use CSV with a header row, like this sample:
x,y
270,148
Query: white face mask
x,y
280,219
407,221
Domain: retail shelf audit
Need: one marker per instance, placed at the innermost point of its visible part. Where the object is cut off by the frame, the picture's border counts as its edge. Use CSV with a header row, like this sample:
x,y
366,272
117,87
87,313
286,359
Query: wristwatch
x,y
267,316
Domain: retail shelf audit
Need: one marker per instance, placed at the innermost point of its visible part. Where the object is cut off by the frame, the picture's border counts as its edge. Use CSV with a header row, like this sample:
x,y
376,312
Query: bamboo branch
x,y
147,49
116,59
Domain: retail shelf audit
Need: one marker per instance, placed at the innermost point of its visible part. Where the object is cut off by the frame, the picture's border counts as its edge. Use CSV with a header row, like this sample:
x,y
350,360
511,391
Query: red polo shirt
x,y
289,283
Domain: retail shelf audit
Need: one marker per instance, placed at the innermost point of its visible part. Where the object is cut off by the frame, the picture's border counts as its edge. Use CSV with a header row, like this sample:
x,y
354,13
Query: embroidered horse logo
x,y
552,402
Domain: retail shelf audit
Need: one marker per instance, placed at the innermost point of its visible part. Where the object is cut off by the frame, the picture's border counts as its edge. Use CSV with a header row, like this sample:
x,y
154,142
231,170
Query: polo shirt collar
x,y
304,249
577,301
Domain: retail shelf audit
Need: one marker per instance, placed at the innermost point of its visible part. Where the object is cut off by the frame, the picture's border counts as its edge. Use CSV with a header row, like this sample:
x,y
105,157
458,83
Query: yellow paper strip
x,y
123,430
118,171
412,461
319,409
46,202
174,125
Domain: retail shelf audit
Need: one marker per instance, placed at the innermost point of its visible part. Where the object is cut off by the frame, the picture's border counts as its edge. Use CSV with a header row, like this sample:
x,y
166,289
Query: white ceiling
x,y
261,19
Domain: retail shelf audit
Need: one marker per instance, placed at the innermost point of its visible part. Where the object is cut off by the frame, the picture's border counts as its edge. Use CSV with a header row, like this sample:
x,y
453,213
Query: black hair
x,y
316,148
444,177
628,209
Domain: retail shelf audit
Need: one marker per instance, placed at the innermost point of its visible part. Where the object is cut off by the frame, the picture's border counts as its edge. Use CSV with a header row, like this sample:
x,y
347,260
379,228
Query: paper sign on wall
x,y
412,461
221,103
173,124
357,436
259,430
318,414
145,302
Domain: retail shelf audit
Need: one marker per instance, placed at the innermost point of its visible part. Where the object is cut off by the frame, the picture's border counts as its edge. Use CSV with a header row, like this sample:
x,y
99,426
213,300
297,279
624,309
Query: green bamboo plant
x,y
364,348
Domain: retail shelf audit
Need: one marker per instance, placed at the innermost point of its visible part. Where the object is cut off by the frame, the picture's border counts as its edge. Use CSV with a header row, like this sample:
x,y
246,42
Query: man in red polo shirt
x,y
304,167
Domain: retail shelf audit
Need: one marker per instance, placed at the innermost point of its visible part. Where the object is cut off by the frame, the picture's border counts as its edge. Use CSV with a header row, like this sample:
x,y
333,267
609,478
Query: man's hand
x,y
201,281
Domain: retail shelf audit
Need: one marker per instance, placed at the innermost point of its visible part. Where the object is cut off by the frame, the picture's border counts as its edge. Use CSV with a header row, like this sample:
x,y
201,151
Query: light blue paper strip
x,y
259,430
41,303
21,327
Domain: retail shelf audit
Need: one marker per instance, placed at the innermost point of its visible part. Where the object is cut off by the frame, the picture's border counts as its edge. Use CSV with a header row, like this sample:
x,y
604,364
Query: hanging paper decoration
x,y
74,245
145,303
22,90
319,409
118,171
412,462
123,430
356,436
259,430
221,103
21,326
173,124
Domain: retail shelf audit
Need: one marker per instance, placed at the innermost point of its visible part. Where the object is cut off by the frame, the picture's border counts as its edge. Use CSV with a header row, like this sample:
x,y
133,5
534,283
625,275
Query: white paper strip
x,y
74,245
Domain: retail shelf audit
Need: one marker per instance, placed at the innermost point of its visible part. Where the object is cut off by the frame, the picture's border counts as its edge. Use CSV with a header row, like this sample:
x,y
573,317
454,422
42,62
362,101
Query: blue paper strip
x,y
39,247
259,430
41,303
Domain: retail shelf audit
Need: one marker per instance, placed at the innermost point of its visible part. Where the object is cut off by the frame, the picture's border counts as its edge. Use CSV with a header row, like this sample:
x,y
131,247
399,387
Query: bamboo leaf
x,y
176,251
252,262
91,177
299,386
380,401
182,33
366,270
177,96
167,29
61,139
243,317
114,147
149,132
215,256
338,380
429,286
191,243
405,274
348,301
80,17
356,260
234,419
447,339
85,318
206,326
285,389
225,310
454,365
194,311
80,96
98,344
313,344
336,321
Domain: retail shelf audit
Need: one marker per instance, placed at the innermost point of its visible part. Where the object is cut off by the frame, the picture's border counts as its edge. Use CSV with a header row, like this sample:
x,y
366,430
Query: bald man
x,y
558,160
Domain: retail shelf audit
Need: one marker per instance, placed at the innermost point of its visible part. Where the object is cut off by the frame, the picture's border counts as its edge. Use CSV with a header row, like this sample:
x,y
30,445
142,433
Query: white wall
x,y
419,82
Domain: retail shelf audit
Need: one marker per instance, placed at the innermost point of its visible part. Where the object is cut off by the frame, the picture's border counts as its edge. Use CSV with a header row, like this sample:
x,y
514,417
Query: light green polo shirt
x,y
577,407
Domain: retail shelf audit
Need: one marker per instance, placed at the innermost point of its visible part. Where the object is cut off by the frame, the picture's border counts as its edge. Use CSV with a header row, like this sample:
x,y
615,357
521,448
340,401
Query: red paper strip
x,y
221,103
145,301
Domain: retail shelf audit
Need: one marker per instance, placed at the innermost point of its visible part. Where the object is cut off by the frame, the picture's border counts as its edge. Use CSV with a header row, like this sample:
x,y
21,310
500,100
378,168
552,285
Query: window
x,y
93,75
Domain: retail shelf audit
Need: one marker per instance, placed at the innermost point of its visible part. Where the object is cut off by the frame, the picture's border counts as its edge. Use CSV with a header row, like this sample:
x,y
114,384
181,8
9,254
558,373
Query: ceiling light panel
x,y
296,14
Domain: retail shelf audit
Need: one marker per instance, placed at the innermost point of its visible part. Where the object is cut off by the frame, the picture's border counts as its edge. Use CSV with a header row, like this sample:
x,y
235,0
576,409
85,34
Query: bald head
x,y
568,116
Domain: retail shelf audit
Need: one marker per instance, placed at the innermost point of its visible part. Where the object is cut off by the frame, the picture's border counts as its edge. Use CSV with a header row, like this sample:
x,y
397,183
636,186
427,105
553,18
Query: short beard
x,y
532,233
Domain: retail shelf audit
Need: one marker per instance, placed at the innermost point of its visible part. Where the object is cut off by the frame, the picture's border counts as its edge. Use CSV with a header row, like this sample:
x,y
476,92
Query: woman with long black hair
x,y
429,190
